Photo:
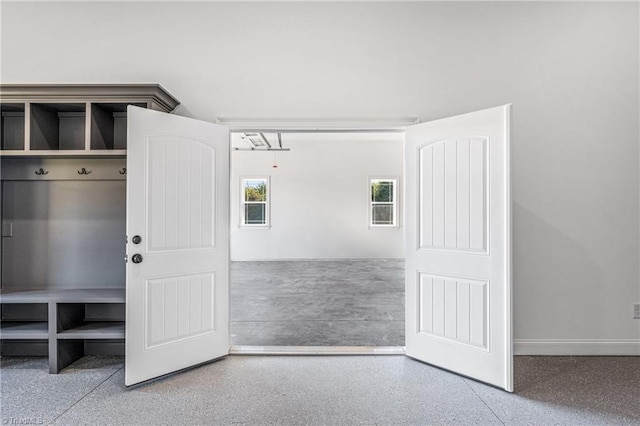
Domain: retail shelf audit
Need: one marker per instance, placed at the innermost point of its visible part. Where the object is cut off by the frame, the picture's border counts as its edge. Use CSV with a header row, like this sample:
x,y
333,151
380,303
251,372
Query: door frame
x,y
358,125
237,125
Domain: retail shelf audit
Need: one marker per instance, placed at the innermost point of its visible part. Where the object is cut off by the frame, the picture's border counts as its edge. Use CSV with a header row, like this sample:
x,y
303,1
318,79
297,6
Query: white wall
x,y
569,68
319,198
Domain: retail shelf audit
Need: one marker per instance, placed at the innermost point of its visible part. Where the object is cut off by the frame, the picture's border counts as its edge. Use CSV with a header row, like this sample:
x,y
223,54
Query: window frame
x,y
395,203
267,202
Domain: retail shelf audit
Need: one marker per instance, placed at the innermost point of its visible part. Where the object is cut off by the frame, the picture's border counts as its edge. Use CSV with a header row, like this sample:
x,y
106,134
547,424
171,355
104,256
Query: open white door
x,y
178,243
458,245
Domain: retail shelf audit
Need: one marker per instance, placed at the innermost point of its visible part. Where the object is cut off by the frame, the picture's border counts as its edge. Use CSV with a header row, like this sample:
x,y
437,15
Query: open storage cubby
x,y
63,209
64,324
69,120
24,329
12,126
90,321
88,329
109,125
58,126
24,321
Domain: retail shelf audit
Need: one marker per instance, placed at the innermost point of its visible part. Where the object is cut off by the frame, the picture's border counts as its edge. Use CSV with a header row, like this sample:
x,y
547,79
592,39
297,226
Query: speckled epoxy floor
x,y
318,303
323,390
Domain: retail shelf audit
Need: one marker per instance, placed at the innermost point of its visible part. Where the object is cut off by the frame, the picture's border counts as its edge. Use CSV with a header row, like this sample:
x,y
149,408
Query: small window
x,y
383,210
255,202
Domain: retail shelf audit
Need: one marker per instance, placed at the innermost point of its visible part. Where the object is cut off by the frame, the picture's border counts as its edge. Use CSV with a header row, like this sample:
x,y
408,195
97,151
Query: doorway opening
x,y
317,241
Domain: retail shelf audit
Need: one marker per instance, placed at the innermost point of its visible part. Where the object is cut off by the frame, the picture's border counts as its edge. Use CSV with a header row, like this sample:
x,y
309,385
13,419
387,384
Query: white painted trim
x,y
568,347
315,259
267,204
290,1
508,315
236,124
542,347
395,204
317,350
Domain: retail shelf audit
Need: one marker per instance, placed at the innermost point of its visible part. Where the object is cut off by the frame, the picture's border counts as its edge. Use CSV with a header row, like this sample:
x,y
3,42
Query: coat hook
x,y
123,171
41,172
84,171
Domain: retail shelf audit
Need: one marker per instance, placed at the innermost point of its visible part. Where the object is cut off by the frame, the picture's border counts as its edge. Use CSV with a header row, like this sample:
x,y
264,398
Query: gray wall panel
x,y
65,234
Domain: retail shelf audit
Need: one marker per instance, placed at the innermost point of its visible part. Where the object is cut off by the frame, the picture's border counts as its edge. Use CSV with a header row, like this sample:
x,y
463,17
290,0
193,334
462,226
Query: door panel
x,y
177,204
458,257
452,187
181,176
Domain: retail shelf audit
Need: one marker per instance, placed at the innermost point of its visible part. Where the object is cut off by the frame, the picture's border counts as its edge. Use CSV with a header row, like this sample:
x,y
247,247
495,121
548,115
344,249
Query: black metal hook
x,y
123,171
84,171
42,171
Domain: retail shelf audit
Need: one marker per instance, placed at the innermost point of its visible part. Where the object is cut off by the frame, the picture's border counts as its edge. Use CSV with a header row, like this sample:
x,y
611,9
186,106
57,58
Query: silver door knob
x,y
136,258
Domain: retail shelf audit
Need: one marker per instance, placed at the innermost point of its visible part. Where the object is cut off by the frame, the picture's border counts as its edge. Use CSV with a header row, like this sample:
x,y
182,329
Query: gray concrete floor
x,y
318,303
322,390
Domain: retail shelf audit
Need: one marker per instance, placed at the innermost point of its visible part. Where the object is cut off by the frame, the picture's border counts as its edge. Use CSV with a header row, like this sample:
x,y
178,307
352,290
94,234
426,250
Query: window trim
x,y
267,203
394,203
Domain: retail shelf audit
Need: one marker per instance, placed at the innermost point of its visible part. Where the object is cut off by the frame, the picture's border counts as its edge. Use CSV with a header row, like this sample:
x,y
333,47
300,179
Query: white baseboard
x,y
601,347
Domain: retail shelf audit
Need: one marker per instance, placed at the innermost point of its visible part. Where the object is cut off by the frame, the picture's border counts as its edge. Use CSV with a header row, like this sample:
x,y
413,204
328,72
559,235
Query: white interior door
x,y
178,243
458,254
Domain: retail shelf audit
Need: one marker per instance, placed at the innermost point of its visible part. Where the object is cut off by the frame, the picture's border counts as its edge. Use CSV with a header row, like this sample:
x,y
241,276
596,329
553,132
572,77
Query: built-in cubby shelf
x,y
71,322
24,330
20,321
63,210
72,120
95,330
109,126
57,126
12,126
90,321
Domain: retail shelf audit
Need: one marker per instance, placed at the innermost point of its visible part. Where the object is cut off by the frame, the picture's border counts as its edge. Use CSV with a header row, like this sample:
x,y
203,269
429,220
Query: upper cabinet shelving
x,y
67,120
12,122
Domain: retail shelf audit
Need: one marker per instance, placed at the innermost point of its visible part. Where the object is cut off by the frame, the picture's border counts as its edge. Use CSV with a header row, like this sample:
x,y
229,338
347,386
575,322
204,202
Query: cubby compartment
x,y
58,126
12,126
24,321
109,125
63,324
90,321
104,347
87,329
